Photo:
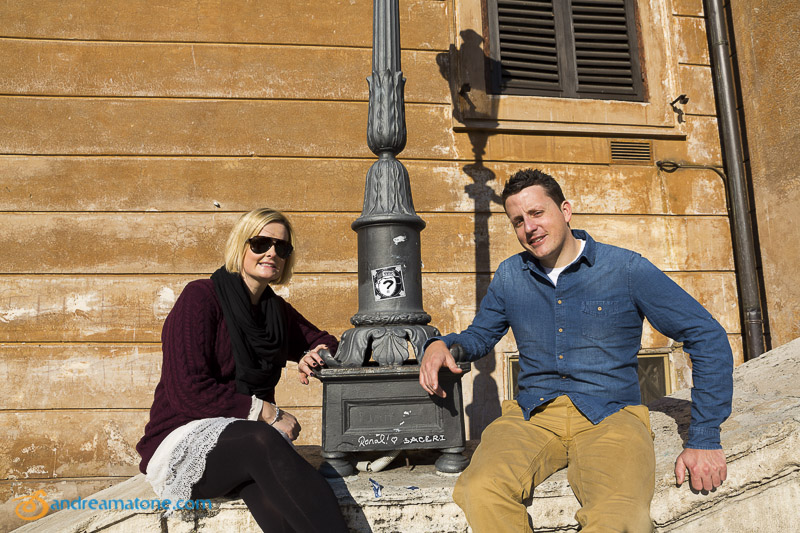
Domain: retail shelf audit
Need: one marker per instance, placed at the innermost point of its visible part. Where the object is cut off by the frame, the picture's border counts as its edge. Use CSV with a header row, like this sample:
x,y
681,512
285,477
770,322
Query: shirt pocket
x,y
597,319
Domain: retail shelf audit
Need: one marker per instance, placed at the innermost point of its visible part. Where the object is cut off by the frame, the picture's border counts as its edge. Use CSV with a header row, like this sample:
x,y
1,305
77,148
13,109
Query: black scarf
x,y
258,342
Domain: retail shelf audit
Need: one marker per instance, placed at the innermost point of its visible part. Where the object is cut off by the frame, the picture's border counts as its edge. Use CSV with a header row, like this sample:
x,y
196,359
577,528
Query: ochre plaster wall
x,y
767,34
124,124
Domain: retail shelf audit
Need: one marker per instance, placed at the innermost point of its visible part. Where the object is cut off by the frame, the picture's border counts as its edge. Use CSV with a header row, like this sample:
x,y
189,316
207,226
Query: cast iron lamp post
x,y
369,406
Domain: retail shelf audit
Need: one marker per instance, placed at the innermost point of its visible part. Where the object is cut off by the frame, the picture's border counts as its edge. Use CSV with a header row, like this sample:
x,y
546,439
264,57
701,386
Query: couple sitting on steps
x,y
576,308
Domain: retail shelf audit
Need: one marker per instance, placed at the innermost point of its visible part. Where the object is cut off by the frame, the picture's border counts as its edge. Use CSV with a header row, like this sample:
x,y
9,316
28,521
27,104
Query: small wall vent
x,y
631,152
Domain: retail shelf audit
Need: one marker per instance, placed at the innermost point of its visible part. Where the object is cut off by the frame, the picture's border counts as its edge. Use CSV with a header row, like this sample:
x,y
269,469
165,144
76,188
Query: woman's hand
x,y
310,362
285,421
288,424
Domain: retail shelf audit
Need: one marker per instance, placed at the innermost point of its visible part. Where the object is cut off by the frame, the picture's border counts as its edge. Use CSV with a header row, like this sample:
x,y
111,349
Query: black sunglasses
x,y
261,245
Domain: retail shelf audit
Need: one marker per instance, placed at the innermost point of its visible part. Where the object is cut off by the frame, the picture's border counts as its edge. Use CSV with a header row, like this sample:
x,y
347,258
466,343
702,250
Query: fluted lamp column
x,y
389,264
371,396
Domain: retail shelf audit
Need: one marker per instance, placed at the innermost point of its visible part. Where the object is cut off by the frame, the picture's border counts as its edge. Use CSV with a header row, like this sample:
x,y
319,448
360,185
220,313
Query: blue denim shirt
x,y
581,337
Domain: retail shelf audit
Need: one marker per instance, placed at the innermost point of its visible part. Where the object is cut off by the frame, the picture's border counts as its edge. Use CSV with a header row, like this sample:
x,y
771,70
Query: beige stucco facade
x,y
767,50
134,133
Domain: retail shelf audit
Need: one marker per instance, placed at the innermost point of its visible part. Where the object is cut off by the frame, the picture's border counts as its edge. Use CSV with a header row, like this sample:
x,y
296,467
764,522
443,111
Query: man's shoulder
x,y
516,260
515,263
610,258
609,251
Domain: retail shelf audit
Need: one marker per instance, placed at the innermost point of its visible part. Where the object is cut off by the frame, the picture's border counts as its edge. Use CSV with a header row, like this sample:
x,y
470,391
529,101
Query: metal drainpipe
x,y
743,243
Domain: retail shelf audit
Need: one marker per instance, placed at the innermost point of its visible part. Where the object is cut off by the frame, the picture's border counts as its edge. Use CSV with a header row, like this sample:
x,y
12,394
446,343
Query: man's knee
x,y
478,485
470,494
638,520
616,516
466,486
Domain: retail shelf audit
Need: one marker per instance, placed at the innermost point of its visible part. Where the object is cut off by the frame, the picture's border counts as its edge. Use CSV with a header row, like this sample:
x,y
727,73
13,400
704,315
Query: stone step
x,y
762,493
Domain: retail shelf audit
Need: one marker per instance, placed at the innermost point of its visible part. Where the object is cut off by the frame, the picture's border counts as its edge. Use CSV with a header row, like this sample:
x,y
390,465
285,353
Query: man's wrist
x,y
703,438
431,341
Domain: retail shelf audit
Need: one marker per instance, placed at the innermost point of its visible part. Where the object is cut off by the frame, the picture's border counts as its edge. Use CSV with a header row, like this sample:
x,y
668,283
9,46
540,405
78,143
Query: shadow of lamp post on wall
x,y
378,404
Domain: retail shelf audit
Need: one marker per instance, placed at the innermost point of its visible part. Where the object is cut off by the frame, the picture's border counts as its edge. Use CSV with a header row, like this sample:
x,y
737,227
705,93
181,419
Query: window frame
x,y
478,108
662,357
569,77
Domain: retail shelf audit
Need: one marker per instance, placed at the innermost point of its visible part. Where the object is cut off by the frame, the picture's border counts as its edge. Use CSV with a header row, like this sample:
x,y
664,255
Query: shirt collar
x,y
590,250
588,254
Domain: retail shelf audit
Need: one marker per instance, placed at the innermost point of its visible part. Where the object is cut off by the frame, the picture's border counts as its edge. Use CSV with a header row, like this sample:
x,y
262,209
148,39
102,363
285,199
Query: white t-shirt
x,y
553,273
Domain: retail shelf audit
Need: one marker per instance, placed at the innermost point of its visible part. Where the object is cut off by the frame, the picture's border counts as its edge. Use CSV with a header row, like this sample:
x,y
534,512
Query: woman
x,y
214,427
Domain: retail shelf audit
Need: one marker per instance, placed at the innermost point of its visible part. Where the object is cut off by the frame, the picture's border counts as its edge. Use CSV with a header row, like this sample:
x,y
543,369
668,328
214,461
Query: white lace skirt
x,y
180,460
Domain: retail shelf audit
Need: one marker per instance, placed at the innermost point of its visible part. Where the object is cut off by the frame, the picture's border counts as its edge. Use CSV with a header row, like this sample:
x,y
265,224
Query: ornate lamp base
x,y
337,464
387,343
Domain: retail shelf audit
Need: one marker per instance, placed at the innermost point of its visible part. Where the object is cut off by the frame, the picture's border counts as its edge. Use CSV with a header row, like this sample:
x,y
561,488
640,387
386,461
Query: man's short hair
x,y
529,177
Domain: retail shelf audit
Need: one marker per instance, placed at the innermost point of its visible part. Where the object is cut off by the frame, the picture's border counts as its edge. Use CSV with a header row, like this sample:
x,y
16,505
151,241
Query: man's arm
x,y
487,328
673,312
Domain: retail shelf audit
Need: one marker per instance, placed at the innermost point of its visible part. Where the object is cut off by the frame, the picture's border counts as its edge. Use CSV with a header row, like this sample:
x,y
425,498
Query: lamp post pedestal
x,y
381,408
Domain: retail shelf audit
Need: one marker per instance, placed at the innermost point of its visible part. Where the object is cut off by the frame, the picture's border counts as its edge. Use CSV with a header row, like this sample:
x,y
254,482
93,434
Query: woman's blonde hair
x,y
249,225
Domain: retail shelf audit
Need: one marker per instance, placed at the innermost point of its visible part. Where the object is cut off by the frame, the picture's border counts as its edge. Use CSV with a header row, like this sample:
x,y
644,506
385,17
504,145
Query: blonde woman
x,y
214,428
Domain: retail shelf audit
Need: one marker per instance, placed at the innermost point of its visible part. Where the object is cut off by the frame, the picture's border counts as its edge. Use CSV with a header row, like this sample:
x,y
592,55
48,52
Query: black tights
x,y
280,488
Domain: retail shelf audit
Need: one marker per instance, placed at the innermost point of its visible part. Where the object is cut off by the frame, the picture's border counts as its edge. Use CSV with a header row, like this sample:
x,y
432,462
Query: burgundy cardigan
x,y
198,374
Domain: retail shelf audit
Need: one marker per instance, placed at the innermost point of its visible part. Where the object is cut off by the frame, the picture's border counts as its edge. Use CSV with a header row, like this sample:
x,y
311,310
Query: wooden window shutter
x,y
526,42
566,48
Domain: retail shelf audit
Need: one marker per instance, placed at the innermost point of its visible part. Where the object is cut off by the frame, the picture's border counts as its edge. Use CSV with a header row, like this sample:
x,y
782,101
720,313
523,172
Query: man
x,y
576,308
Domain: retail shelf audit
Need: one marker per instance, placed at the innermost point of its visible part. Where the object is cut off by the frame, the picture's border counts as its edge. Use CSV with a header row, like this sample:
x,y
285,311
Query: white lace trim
x,y
187,461
158,467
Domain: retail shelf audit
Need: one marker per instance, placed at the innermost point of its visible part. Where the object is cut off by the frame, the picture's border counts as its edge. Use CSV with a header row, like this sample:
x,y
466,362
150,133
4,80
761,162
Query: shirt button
x,y
599,308
560,330
559,302
541,399
561,357
563,377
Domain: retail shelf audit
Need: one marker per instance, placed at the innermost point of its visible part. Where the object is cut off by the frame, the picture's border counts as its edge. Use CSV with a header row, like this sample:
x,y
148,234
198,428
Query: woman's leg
x,y
276,483
267,516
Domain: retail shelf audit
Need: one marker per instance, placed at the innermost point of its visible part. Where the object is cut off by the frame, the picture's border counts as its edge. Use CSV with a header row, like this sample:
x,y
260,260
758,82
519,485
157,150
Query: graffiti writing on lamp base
x,y
423,439
389,439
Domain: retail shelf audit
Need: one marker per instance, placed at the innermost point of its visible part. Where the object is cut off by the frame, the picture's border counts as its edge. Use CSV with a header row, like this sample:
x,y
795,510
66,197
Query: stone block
x,y
688,7
314,22
193,184
41,67
695,82
691,40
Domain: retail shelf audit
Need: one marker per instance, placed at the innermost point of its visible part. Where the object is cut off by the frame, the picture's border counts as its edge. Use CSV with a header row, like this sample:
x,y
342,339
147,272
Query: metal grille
x,y
631,152
602,50
653,377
